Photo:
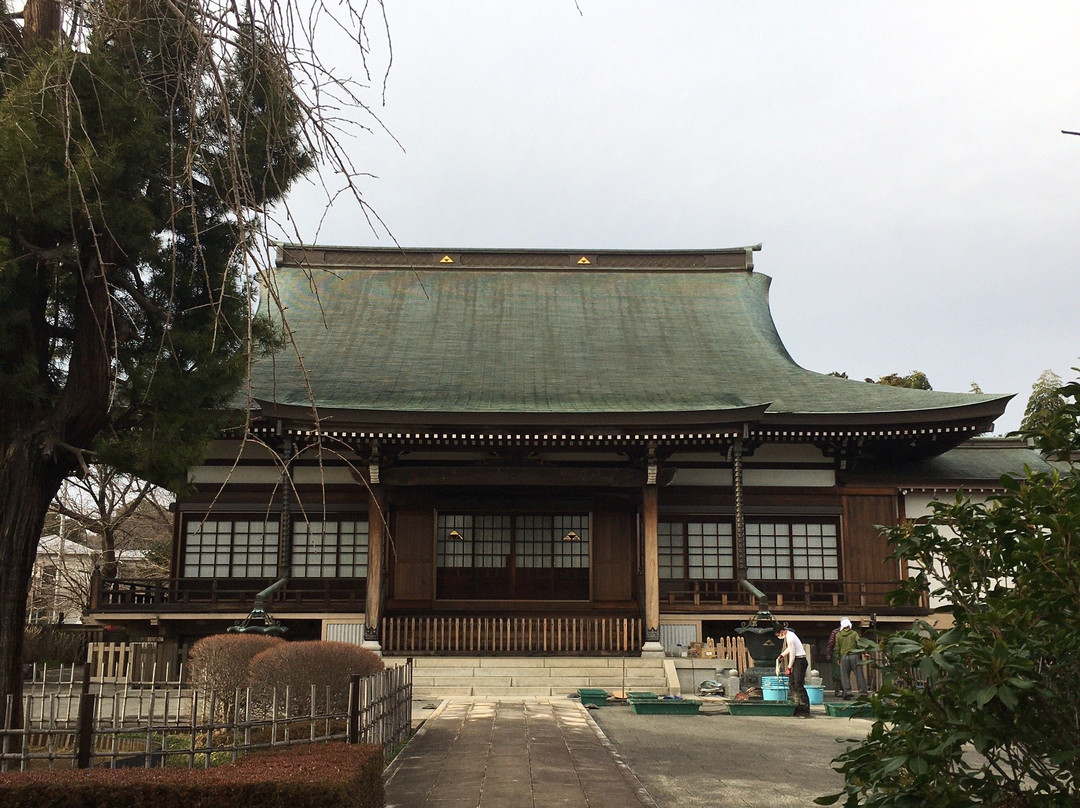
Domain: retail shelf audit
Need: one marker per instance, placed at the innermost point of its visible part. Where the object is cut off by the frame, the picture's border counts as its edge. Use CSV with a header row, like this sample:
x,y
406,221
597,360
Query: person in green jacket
x,y
847,644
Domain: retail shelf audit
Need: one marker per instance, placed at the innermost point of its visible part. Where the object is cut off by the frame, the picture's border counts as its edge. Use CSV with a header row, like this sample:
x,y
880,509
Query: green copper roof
x,y
977,463
543,332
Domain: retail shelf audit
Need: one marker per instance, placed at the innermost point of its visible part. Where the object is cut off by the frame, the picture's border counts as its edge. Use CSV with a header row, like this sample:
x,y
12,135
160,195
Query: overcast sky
x,y
901,163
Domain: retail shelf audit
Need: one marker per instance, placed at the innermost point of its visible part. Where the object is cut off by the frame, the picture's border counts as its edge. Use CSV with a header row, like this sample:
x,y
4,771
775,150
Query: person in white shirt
x,y
794,661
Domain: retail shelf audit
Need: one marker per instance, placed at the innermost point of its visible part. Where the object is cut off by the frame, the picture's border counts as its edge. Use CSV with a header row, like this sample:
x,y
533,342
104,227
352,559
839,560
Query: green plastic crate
x,y
760,708
664,706
846,709
593,695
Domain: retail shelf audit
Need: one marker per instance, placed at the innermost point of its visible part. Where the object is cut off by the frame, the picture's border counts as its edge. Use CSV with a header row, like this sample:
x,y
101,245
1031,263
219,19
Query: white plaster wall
x,y
753,477
799,478
327,474
227,474
917,506
917,503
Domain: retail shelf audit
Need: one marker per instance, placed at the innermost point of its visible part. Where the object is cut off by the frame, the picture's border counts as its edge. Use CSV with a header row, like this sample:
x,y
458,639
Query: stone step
x,y
528,677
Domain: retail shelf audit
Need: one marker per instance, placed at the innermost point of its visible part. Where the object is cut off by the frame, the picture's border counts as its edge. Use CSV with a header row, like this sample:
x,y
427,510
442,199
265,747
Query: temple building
x,y
550,452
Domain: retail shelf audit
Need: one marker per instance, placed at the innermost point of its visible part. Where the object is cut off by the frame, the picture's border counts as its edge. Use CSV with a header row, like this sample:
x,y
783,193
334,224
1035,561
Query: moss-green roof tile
x,y
424,337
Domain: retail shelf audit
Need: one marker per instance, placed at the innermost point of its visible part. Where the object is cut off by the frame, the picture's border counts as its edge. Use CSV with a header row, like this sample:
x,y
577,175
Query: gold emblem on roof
x,y
446,259
584,260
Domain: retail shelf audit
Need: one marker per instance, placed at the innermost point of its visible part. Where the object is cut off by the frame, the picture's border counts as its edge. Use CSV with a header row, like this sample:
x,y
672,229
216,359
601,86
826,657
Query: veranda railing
x,y
178,726
511,635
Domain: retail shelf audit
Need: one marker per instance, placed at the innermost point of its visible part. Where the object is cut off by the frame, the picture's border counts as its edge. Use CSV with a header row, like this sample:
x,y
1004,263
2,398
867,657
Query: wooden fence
x,y
734,648
130,663
511,635
178,726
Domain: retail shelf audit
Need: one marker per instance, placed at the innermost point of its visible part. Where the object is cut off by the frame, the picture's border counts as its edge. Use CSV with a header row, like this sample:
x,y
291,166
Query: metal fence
x,y
178,726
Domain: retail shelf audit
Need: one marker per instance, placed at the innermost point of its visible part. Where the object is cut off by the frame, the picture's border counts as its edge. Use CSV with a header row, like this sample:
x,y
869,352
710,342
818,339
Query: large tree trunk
x,y
42,18
38,448
28,482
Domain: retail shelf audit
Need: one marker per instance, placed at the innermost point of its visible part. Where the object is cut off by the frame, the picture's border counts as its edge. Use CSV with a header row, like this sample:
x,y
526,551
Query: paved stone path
x,y
548,753
511,754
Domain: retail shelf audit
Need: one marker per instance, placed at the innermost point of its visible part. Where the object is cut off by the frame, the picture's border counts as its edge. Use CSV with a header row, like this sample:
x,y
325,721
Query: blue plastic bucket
x,y
816,693
774,693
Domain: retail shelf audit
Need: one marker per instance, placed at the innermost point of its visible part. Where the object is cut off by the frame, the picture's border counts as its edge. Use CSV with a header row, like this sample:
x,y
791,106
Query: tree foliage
x,y
1044,414
985,712
916,380
143,145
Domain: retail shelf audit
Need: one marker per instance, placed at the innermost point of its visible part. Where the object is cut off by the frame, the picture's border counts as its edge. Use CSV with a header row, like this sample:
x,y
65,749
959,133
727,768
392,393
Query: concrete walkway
x,y
511,754
552,752
717,760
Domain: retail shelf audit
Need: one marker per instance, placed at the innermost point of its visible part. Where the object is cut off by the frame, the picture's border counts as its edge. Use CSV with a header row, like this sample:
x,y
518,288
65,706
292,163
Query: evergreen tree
x,y
142,143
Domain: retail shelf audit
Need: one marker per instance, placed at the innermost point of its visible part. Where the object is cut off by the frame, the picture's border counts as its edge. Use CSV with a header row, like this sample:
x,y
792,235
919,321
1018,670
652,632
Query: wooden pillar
x,y
373,605
740,509
650,510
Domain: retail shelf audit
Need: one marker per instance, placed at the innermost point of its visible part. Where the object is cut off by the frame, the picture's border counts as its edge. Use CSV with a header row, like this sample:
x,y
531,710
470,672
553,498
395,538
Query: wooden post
x,y
373,602
352,734
652,646
84,732
740,512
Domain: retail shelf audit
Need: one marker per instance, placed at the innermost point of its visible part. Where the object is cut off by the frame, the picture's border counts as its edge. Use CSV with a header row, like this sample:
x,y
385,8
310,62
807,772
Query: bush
x,y
53,645
985,712
334,775
299,665
220,663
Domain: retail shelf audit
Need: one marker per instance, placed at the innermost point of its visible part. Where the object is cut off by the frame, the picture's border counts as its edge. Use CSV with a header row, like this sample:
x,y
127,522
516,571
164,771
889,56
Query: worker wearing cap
x,y
847,649
794,657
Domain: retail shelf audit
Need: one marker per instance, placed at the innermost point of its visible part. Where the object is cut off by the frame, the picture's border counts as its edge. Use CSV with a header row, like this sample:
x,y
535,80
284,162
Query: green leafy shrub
x,y
984,712
299,665
334,775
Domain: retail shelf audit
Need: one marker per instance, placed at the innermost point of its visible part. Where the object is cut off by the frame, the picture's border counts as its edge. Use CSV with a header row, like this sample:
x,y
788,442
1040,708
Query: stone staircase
x,y
530,677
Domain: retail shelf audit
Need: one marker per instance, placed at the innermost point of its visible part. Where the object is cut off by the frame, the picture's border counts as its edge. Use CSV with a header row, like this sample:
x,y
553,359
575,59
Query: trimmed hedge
x,y
334,775
220,662
299,665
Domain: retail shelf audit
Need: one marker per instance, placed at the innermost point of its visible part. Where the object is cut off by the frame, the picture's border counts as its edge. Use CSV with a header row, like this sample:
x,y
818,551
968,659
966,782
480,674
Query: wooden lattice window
x,y
696,550
239,548
330,549
792,550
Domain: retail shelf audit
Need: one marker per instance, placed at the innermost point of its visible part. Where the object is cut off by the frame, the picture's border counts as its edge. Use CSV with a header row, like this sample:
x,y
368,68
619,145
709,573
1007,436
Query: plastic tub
x,y
760,708
774,681
816,693
664,706
774,693
845,709
597,697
